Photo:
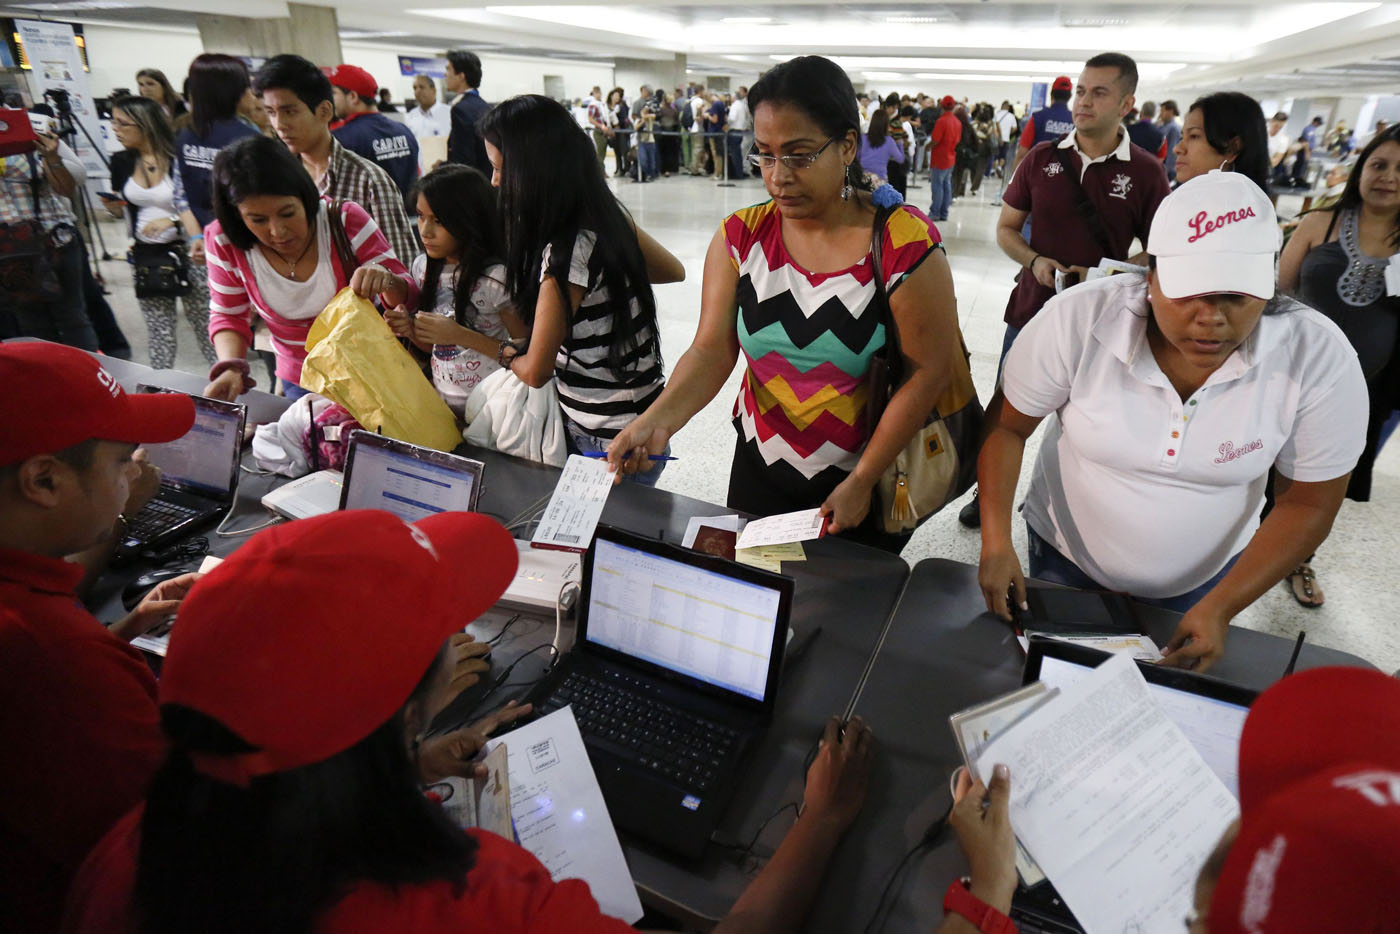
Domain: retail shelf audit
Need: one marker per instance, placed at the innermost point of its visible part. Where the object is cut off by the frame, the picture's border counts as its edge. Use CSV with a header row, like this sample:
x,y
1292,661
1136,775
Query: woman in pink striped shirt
x,y
272,250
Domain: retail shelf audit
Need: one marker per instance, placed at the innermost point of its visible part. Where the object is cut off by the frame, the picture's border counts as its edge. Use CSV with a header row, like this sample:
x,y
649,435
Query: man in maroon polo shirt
x,y
1123,182
80,732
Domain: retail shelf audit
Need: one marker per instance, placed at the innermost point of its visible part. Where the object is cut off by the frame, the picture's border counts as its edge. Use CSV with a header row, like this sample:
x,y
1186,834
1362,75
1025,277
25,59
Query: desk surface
x,y
944,653
847,591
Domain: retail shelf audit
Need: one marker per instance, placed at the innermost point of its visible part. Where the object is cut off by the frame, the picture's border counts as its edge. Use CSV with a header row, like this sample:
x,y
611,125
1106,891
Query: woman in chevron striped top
x,y
790,283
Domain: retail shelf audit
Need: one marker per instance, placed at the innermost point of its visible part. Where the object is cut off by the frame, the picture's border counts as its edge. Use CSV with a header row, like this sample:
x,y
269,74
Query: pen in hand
x,y
655,457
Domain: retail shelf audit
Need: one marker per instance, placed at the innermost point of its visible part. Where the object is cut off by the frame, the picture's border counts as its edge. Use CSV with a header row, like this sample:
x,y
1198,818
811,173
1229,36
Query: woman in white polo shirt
x,y
1173,397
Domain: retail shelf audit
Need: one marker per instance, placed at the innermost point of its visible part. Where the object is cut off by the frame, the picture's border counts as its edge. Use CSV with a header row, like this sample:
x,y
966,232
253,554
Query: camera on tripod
x,y
62,103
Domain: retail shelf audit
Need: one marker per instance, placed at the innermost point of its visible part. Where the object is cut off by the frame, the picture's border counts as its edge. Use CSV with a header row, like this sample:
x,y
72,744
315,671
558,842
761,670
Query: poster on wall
x,y
1038,90
57,76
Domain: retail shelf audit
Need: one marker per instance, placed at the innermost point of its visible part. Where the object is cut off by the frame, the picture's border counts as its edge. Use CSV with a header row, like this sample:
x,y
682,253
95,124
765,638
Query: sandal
x,y
1303,581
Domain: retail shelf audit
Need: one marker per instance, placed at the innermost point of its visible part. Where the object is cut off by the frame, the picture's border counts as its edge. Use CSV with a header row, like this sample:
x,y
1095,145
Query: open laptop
x,y
1210,712
673,677
382,473
199,477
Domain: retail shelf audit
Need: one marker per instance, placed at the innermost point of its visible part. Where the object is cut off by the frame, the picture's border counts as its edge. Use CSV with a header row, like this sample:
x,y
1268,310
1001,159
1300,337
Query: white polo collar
x,y
1122,152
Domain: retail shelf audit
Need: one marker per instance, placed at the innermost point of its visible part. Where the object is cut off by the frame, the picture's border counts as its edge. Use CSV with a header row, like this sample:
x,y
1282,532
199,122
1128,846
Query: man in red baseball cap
x,y
78,701
943,140
364,130
1316,845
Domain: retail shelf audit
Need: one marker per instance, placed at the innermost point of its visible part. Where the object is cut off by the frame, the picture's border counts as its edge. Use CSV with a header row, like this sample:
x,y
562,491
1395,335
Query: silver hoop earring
x,y
1227,166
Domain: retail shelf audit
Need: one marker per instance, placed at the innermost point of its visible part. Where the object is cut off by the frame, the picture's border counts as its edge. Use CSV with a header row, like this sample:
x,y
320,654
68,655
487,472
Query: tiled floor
x,y
1356,566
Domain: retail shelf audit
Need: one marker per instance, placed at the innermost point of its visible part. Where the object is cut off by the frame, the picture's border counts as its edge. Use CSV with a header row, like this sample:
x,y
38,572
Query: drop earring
x,y
846,189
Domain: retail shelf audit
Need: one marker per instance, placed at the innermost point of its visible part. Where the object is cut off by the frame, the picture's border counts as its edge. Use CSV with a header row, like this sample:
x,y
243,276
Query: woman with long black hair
x,y
281,807
579,271
1226,131
464,309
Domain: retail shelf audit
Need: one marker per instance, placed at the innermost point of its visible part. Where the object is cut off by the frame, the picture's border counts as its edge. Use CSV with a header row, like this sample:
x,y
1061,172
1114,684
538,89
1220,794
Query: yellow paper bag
x,y
354,359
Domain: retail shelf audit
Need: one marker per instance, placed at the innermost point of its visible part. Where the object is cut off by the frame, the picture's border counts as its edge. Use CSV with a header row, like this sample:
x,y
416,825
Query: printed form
x,y
1113,801
559,811
573,511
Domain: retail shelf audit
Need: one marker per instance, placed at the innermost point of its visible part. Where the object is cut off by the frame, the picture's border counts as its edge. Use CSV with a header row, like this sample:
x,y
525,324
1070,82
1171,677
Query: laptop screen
x,y
1212,724
687,618
410,481
205,460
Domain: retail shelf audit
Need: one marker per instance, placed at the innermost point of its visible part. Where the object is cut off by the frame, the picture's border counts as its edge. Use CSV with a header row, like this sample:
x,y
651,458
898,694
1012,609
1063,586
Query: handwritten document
x,y
560,815
779,530
574,509
1112,801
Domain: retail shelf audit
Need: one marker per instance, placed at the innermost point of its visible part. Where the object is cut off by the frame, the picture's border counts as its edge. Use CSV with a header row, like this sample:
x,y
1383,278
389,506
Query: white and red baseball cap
x,y
1216,233
352,78
57,396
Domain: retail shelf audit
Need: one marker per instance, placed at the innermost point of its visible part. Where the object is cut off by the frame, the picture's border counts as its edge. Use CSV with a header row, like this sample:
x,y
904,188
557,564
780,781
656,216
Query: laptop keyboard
x,y
615,715
155,518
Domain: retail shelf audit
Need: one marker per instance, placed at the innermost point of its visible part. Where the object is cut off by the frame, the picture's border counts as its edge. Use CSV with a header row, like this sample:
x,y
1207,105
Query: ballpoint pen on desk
x,y
1297,647
655,457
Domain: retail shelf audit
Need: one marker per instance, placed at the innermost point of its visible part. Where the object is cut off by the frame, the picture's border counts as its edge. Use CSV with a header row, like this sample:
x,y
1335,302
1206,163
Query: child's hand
x,y
430,328
400,321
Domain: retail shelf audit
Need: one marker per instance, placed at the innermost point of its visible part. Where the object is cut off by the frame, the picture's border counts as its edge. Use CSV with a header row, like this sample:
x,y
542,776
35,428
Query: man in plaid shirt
x,y
298,98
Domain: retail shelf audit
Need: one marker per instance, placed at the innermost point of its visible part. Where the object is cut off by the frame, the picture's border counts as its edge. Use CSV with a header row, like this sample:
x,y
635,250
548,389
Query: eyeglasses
x,y
795,162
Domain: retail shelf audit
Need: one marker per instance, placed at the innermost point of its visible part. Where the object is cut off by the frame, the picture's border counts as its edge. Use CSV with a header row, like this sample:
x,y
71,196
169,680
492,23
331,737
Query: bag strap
x,y
1085,208
340,240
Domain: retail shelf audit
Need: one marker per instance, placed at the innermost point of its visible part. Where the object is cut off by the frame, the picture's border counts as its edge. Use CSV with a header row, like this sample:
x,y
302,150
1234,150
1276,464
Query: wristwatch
x,y
962,902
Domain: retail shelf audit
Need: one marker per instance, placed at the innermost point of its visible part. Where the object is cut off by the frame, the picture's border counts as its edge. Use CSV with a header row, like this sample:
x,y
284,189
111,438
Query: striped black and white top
x,y
598,399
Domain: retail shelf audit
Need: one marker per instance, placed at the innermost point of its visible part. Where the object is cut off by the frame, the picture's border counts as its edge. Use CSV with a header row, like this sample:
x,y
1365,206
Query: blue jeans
x,y
647,161
292,390
579,441
1007,340
1047,564
941,182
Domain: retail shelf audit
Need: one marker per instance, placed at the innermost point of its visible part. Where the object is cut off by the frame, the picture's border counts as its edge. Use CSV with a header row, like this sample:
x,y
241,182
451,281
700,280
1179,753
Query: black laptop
x,y
199,478
673,677
1210,712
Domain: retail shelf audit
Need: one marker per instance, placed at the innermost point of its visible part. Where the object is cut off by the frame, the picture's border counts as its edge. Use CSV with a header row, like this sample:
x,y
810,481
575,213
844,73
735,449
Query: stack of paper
x,y
1112,801
730,537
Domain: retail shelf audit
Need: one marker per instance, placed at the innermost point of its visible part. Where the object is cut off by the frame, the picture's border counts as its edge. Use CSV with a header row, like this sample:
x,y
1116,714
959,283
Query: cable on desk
x,y
930,837
504,629
746,850
255,472
237,533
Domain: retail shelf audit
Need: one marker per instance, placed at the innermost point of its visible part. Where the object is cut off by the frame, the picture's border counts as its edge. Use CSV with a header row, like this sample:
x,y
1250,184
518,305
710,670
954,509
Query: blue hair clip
x,y
886,196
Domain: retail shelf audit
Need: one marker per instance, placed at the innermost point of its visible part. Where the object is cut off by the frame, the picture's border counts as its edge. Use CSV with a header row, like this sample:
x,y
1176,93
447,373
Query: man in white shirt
x,y
740,122
699,105
431,117
1173,398
1007,124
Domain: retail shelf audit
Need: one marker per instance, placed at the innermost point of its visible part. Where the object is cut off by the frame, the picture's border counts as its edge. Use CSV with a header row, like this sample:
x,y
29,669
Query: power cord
x,y
930,837
745,850
504,629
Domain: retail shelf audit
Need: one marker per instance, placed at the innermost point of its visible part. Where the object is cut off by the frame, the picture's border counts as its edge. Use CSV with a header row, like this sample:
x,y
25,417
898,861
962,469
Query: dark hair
x,y
151,120
78,456
879,127
891,100
464,203
296,74
467,64
1060,97
167,93
551,189
1232,117
1127,68
273,856
217,83
253,166
1169,105
1351,195
820,89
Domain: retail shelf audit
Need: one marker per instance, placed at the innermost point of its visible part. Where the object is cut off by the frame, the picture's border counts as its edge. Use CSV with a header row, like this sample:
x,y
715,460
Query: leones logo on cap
x,y
1203,224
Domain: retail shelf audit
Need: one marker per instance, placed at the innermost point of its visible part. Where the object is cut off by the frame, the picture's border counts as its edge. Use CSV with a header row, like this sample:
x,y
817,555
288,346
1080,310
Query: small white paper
x,y
560,815
1112,267
1139,645
692,528
1100,778
777,530
573,511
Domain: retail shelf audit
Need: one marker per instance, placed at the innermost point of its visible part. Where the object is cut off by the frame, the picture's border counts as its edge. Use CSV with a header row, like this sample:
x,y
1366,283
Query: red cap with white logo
x,y
352,78
1320,809
57,396
1216,233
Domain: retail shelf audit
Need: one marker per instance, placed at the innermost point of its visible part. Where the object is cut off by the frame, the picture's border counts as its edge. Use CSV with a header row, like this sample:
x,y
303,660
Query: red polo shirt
x,y
943,141
508,891
79,735
1125,188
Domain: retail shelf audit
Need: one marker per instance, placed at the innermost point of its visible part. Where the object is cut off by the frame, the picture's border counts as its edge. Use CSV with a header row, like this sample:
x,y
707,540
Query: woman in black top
x,y
1336,262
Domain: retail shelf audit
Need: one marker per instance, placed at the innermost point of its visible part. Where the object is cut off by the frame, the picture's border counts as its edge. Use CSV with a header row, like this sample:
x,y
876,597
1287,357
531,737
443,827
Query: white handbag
x,y
504,414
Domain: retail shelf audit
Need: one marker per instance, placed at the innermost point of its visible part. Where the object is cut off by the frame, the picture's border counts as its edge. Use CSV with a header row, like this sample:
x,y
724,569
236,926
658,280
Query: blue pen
x,y
655,457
